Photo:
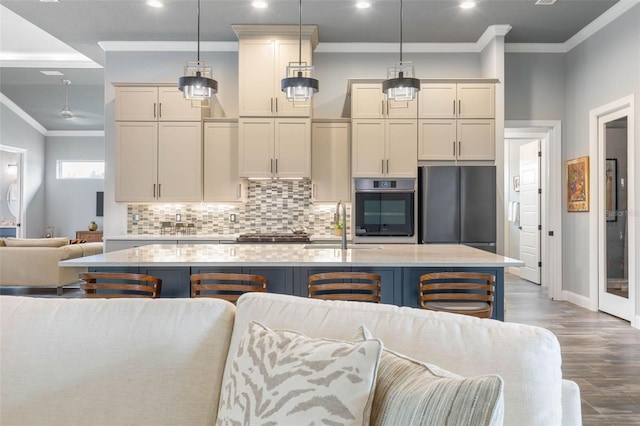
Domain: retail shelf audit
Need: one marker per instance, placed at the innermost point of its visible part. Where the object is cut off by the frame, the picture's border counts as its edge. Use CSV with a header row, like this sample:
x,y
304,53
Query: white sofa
x,y
33,262
162,361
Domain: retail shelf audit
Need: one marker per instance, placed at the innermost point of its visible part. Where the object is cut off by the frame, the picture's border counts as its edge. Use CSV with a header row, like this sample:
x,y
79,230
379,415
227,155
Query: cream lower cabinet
x,y
221,179
158,161
382,148
274,148
330,162
456,139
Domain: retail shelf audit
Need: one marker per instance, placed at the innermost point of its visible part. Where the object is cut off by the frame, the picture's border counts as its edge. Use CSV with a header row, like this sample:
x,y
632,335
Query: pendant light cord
x,y
401,19
198,33
300,34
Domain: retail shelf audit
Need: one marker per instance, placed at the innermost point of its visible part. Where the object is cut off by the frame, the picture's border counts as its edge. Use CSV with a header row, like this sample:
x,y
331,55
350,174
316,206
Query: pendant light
x,y
401,85
197,83
66,112
302,86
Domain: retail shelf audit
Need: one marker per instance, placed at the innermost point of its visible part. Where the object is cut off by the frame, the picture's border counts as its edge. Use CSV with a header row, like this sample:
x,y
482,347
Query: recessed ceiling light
x,y
155,3
467,4
49,1
363,4
260,4
51,73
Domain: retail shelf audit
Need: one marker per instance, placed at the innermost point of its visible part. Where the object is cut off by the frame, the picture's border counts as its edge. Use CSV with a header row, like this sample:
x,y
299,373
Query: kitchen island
x,y
287,266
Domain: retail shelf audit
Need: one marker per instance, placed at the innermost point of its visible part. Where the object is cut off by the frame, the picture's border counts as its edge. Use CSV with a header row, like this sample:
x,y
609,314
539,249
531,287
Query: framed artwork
x,y
516,183
610,186
578,185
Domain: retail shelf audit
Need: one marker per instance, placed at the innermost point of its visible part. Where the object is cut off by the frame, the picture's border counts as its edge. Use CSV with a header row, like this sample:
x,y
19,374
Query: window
x,y
80,169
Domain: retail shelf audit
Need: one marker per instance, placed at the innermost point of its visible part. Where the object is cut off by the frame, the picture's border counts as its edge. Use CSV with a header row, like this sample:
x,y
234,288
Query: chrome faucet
x,y
344,222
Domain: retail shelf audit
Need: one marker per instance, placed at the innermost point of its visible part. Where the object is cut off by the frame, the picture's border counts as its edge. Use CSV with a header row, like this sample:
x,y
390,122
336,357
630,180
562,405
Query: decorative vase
x,y
93,226
337,232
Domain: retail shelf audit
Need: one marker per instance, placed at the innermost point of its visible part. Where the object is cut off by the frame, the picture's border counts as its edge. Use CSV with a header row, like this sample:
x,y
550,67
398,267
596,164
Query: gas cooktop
x,y
273,237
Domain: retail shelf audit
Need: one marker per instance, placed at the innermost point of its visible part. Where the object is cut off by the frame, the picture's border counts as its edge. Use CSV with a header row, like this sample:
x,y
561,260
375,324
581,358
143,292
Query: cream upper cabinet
x,y
158,161
457,100
274,148
330,162
368,101
384,148
262,65
448,139
220,147
154,103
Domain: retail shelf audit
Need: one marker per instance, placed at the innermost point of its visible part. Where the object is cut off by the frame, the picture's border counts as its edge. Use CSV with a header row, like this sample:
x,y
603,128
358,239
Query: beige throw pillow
x,y
409,392
36,242
286,378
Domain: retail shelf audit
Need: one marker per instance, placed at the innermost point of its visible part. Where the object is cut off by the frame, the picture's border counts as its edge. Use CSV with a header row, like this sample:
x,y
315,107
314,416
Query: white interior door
x,y
530,211
616,189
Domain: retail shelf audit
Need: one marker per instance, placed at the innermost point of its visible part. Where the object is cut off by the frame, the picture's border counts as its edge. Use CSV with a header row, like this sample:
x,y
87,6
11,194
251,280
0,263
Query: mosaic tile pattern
x,y
272,206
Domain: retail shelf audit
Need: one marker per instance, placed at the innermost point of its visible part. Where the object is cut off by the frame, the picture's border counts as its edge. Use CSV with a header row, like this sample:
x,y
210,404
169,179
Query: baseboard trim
x,y
577,299
637,323
513,270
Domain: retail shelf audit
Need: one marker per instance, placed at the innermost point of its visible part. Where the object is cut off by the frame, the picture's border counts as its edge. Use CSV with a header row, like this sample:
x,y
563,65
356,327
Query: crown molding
x,y
491,33
45,63
75,133
535,48
600,22
168,46
22,114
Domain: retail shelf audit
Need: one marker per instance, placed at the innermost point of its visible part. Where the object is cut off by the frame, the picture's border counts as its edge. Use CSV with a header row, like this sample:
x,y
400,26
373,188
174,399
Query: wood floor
x,y
599,352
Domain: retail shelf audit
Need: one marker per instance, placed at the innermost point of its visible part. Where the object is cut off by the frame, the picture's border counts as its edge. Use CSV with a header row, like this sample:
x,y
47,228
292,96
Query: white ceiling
x,y
64,36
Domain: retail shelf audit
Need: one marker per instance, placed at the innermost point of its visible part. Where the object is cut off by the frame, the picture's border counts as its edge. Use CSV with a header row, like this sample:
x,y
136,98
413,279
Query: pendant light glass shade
x,y
401,84
197,84
66,112
299,86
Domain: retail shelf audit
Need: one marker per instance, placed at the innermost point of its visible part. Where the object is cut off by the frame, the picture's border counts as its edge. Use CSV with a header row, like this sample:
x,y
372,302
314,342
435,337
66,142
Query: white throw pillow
x,y
284,377
409,392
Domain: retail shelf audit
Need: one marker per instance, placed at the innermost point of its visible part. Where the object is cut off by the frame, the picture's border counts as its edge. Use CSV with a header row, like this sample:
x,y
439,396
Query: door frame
x,y
550,135
596,215
22,159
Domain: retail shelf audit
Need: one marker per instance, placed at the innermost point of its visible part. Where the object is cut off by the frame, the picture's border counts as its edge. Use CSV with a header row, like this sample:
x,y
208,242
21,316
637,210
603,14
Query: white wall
x,y
71,203
15,132
602,69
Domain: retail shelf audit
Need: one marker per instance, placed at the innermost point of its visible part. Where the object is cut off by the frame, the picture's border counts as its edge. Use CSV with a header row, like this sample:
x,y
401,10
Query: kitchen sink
x,y
337,247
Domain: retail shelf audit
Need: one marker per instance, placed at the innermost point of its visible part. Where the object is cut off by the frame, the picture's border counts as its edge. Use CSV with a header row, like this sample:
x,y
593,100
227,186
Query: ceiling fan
x,y
66,112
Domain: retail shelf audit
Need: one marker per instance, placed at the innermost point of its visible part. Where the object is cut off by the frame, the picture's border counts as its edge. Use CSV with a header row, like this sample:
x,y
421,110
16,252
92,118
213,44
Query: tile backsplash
x,y
272,206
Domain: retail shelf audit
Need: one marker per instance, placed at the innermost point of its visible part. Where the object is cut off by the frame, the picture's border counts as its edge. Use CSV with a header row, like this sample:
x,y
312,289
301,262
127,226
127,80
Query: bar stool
x,y
226,286
353,286
466,293
109,285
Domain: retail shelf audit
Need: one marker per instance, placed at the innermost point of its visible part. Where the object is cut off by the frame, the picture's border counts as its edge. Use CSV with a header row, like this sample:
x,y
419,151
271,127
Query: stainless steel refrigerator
x,y
457,205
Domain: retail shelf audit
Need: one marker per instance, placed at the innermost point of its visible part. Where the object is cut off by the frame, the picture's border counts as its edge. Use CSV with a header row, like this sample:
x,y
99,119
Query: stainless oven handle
x,y
385,190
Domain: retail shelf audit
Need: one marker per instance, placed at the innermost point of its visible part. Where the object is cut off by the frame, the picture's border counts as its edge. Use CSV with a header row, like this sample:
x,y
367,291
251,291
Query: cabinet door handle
x,y
154,190
454,148
160,110
459,148
271,165
154,113
387,166
276,111
239,190
159,190
459,107
271,104
454,107
387,107
382,107
382,161
276,158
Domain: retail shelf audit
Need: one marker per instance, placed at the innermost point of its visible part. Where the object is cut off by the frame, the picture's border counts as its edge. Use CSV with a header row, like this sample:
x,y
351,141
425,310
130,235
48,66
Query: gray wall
x,y
534,86
602,69
15,132
71,203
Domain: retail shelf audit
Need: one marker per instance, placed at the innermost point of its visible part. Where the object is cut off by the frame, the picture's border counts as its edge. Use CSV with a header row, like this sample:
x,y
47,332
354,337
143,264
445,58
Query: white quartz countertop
x,y
399,255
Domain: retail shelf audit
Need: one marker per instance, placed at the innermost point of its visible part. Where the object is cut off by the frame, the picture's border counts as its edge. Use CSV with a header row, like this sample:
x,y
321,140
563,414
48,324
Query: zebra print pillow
x,y
283,377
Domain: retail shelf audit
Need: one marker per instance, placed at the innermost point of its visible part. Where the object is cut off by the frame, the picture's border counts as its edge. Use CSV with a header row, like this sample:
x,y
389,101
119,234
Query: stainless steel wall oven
x,y
384,208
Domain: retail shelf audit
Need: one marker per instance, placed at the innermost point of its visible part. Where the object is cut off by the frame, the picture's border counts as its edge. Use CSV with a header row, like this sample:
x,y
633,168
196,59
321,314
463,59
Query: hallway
x,y
599,352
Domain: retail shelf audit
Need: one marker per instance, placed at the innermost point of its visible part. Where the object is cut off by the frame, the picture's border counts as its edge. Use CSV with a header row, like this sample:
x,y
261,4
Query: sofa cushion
x,y
112,361
527,358
283,377
412,392
37,242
